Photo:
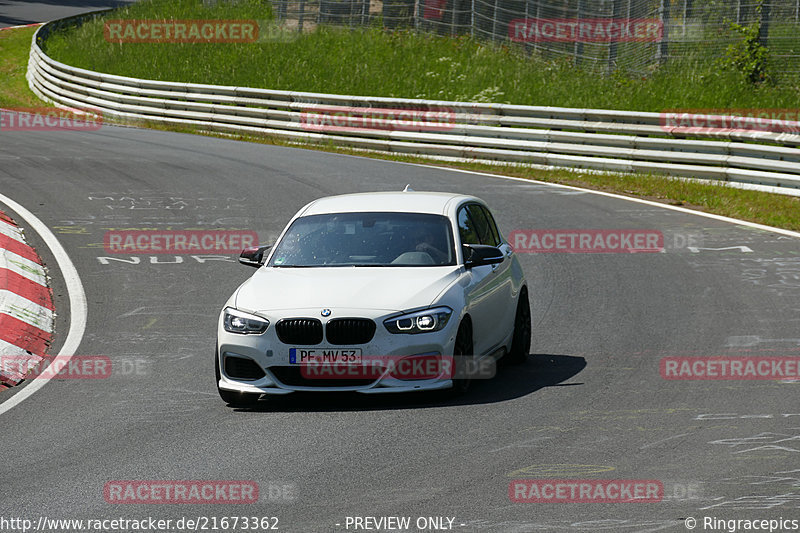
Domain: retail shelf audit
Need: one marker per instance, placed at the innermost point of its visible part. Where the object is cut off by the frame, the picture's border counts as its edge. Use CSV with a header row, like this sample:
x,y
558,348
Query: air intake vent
x,y
242,368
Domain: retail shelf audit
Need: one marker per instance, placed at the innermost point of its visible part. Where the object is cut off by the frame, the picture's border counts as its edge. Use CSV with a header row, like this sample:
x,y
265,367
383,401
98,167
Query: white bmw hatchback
x,y
373,293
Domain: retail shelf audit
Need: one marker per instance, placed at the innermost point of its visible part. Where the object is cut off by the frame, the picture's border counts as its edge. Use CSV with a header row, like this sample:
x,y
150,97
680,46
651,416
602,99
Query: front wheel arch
x,y
521,336
462,349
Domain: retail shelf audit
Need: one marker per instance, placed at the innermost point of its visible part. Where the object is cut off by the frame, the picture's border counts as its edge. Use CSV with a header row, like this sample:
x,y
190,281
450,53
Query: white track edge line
x,y
78,309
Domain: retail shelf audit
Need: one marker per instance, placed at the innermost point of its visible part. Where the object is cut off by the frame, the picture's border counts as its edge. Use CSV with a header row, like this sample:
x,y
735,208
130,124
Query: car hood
x,y
380,288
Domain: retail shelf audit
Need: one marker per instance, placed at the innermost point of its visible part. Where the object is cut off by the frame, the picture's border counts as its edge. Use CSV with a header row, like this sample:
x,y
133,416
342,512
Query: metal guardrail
x,y
623,141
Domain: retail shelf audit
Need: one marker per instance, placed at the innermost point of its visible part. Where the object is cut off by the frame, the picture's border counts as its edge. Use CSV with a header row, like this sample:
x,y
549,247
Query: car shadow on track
x,y
510,382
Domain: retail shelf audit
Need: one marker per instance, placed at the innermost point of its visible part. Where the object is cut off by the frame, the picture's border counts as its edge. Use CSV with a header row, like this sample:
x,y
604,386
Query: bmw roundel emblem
x,y
326,312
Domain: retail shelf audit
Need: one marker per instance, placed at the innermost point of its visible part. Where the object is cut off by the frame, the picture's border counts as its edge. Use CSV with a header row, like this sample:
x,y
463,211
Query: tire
x,y
462,348
233,398
521,342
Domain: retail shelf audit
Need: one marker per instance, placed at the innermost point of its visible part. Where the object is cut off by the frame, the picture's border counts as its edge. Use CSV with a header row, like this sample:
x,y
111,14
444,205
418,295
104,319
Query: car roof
x,y
401,202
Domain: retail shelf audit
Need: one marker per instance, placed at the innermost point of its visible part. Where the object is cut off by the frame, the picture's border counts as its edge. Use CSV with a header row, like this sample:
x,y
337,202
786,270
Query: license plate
x,y
304,356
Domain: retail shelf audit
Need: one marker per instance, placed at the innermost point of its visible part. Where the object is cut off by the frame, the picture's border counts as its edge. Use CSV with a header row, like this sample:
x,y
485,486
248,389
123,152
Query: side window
x,y
482,226
466,228
492,227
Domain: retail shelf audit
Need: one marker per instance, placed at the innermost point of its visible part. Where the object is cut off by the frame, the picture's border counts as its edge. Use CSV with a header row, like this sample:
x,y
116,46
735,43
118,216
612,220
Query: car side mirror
x,y
253,255
481,254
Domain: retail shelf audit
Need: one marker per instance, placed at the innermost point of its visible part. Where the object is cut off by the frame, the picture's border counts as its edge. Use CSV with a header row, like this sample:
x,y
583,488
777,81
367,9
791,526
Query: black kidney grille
x,y
299,331
347,331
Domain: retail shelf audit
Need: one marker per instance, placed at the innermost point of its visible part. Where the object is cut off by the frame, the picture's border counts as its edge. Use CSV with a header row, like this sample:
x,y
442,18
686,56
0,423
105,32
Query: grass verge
x,y
371,61
15,45
770,209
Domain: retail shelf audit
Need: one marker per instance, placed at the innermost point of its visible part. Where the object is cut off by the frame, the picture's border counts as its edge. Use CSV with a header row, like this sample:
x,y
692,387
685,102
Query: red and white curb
x,y
22,26
26,305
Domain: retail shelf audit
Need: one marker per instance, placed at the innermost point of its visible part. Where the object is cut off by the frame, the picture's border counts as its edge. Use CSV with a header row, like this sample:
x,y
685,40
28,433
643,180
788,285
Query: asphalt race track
x,y
19,12
589,404
591,399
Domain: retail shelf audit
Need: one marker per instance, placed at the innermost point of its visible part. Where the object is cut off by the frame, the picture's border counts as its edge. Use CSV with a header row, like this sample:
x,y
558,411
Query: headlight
x,y
419,321
236,321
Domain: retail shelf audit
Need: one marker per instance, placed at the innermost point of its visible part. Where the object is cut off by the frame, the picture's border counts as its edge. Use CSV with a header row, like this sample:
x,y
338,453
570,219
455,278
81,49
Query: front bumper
x,y
271,356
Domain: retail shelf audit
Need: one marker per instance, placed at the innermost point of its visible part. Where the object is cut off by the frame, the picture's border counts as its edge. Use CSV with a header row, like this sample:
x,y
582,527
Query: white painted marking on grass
x,y
77,300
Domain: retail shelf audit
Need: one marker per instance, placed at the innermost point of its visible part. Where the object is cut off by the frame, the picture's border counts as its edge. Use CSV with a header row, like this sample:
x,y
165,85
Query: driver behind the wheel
x,y
431,245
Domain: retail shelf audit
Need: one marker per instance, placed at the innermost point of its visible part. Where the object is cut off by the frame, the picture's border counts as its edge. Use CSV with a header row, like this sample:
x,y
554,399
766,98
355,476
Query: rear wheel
x,y
521,342
233,398
462,353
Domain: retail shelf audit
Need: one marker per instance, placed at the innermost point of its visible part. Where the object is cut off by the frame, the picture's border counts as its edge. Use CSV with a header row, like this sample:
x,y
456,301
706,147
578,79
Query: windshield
x,y
366,239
